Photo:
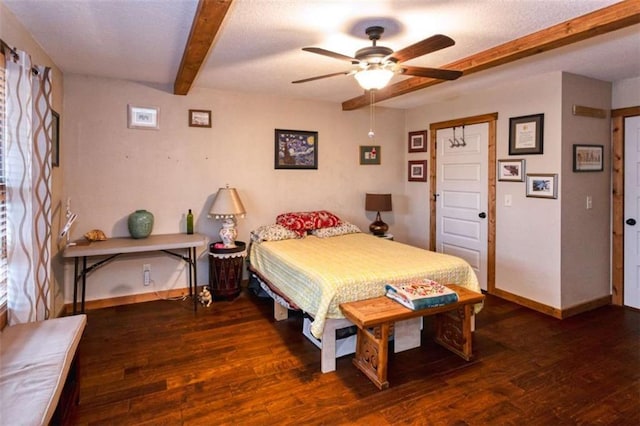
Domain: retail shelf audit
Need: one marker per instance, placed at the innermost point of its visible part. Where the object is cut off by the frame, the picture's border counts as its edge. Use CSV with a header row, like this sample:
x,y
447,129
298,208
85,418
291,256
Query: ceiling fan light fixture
x,y
373,77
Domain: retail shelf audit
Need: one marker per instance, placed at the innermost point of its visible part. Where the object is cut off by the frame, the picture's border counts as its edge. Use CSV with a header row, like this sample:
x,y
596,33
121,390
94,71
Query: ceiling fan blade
x,y
322,76
423,47
331,54
439,73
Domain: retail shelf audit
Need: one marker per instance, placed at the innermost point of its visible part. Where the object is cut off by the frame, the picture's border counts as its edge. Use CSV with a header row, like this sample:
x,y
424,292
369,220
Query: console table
x,y
117,246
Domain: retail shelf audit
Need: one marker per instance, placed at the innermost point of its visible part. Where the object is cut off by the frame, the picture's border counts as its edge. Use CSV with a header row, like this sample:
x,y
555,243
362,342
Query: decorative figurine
x,y
205,297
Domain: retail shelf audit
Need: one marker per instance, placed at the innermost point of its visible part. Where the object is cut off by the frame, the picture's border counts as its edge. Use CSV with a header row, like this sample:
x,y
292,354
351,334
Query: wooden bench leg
x,y
453,331
372,355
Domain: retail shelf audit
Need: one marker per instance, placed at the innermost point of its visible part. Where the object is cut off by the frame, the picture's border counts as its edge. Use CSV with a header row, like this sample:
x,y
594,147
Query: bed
x,y
336,264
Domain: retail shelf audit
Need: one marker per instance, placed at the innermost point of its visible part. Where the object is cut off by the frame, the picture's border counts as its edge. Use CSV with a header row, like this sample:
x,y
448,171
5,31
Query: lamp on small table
x,y
227,206
378,203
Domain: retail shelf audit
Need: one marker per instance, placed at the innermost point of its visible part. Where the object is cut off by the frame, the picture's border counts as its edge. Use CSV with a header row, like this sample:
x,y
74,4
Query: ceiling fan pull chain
x,y
372,115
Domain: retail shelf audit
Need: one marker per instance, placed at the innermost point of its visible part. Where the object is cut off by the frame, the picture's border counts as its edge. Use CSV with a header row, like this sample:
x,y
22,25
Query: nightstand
x,y
225,270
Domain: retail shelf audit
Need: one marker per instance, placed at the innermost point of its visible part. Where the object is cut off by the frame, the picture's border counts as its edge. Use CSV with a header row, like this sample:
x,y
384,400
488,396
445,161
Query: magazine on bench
x,y
421,294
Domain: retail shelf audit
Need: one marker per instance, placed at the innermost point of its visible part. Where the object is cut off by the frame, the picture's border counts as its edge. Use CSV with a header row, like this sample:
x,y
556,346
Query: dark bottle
x,y
189,222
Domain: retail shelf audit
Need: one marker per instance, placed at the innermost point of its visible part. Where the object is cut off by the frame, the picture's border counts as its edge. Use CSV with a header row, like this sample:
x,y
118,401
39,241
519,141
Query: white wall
x,y
111,170
626,93
586,233
528,232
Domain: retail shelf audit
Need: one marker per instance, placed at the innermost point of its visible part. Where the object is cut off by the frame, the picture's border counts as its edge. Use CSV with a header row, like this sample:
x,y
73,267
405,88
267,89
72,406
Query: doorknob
x,y
482,215
631,222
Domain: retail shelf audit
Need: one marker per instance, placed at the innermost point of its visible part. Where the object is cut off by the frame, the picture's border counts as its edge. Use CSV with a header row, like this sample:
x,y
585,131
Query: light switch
x,y
507,200
589,202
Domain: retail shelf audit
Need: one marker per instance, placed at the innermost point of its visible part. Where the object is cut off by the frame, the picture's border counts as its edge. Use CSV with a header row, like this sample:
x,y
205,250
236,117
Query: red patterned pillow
x,y
301,222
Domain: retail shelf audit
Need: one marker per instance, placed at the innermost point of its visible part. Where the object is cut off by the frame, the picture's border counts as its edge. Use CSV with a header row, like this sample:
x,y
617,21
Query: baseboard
x,y
586,306
136,298
129,299
531,304
549,310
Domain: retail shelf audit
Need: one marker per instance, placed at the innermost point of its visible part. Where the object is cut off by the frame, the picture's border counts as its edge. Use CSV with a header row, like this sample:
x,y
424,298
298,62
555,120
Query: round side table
x,y
225,270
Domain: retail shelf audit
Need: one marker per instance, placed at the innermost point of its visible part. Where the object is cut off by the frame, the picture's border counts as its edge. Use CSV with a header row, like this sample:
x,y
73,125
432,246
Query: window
x,y
3,192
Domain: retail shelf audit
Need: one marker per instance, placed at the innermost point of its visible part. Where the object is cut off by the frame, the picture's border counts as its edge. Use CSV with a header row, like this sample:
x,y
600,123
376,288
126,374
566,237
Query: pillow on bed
x,y
301,222
334,231
272,233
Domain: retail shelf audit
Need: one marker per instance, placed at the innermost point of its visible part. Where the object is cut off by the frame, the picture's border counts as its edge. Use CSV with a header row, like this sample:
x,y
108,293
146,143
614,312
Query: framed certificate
x,y
525,134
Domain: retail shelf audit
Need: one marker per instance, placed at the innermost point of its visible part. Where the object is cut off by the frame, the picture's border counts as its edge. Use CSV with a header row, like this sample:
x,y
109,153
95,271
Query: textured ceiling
x,y
258,48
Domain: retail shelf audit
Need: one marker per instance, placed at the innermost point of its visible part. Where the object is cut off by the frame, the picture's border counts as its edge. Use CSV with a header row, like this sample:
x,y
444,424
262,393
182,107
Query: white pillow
x,y
272,233
342,229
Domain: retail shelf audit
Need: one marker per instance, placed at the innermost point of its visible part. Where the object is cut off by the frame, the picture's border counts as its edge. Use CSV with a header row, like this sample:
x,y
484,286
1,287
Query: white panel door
x,y
632,212
461,211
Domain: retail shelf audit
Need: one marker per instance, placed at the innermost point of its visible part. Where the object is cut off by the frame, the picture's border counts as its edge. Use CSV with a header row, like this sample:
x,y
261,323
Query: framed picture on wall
x,y
542,185
370,154
418,141
296,149
143,117
588,158
199,118
418,171
525,134
511,170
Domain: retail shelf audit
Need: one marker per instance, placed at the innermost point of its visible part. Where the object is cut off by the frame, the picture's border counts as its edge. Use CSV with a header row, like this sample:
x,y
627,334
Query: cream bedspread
x,y
318,274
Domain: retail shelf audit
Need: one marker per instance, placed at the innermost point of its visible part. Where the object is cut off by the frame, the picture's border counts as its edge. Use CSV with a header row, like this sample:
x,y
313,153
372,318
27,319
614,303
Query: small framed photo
x,y
370,154
542,185
418,141
199,118
511,170
143,117
296,149
525,134
418,171
55,141
588,158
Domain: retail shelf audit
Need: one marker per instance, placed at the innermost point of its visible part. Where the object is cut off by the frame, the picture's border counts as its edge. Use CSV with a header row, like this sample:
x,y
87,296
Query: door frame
x,y
617,226
491,119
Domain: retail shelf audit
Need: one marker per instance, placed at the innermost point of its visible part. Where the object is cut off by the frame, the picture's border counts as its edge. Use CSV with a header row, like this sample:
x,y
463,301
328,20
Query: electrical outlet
x,y
146,273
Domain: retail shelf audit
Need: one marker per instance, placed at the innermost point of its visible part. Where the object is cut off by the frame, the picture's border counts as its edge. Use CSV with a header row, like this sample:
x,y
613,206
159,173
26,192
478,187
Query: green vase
x,y
140,224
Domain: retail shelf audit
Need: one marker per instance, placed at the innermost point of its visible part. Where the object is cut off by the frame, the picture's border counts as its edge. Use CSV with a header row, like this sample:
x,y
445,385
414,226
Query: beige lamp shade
x,y
227,204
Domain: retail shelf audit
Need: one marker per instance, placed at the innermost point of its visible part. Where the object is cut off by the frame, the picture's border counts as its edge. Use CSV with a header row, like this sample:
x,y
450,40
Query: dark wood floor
x,y
161,363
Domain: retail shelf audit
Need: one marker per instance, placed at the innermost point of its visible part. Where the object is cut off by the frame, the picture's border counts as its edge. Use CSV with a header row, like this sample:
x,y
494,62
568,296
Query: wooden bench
x,y
374,318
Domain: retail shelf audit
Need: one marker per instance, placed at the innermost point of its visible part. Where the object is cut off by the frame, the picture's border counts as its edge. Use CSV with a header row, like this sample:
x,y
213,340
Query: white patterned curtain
x,y
28,166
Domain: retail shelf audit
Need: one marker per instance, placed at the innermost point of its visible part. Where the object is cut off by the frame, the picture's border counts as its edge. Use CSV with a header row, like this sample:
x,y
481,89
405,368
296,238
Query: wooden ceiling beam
x,y
602,21
206,24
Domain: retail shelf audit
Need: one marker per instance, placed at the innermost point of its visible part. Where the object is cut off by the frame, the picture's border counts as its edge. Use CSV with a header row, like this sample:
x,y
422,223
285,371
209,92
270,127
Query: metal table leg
x,y
84,280
75,286
193,277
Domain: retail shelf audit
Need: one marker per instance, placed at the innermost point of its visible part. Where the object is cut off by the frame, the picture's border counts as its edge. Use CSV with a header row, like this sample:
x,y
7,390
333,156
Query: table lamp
x,y
227,206
378,203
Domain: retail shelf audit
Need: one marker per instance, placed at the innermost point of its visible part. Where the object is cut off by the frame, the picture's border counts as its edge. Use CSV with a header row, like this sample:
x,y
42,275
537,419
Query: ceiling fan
x,y
377,64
